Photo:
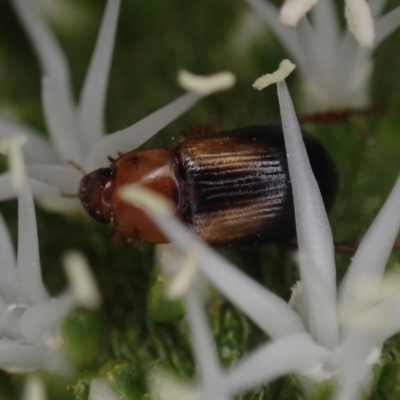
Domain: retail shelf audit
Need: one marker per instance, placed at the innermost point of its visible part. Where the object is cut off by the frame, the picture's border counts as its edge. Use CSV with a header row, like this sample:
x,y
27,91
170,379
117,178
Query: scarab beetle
x,y
228,187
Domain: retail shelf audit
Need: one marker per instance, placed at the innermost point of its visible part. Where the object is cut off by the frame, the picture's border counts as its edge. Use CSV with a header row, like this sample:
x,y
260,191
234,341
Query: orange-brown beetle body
x,y
229,187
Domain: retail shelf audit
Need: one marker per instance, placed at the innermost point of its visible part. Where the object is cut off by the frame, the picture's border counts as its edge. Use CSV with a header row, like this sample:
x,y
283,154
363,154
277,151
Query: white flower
x,y
77,132
101,390
358,15
317,344
29,316
29,336
335,70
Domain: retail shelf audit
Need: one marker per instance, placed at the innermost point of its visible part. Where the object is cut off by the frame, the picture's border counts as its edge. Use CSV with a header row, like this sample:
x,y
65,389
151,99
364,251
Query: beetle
x,y
228,187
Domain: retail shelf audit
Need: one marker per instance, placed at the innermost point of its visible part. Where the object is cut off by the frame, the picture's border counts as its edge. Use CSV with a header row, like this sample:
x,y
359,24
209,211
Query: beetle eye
x,y
106,172
95,192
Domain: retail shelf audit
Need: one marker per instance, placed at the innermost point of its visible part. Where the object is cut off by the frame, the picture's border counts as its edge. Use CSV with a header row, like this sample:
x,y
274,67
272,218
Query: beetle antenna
x,y
77,167
69,195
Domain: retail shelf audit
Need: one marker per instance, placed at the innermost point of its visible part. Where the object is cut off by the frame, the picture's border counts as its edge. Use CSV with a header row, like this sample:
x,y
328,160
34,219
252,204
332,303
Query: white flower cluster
x,y
323,334
335,70
30,337
77,140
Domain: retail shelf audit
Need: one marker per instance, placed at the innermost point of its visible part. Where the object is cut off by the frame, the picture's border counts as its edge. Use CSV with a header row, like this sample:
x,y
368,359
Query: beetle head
x,y
96,192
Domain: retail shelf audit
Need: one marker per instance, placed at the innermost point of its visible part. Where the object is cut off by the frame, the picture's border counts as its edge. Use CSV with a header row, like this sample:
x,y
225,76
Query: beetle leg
x,y
77,166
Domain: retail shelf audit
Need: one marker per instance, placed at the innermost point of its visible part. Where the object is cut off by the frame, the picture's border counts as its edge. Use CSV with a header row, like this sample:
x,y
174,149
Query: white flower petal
x,y
64,177
265,308
144,198
7,192
37,147
50,198
101,390
325,26
270,14
293,354
41,317
373,326
314,236
81,280
184,278
376,7
28,263
164,386
360,338
370,260
93,96
54,63
207,363
19,357
61,127
34,389
386,25
11,147
8,270
132,137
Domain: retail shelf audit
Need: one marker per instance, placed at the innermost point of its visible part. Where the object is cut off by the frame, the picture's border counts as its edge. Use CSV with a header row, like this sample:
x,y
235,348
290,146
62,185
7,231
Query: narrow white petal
x,y
52,58
316,251
64,177
12,147
205,351
270,14
93,97
44,316
16,357
132,137
376,7
350,382
165,386
360,338
360,22
34,389
294,354
37,147
7,191
145,198
386,25
50,198
7,253
370,260
293,10
8,271
101,390
317,52
81,280
373,326
325,23
62,126
206,85
184,278
28,263
169,258
265,308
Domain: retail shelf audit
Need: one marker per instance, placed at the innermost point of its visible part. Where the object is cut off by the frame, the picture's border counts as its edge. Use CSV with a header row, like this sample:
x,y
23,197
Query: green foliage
x,y
159,307
137,327
126,377
83,334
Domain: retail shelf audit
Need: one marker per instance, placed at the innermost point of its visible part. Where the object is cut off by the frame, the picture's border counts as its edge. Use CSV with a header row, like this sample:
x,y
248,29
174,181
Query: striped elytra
x,y
228,187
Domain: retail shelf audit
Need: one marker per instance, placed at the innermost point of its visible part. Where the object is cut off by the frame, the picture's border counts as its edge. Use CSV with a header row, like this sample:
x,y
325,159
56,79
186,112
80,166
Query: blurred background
x,y
136,328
